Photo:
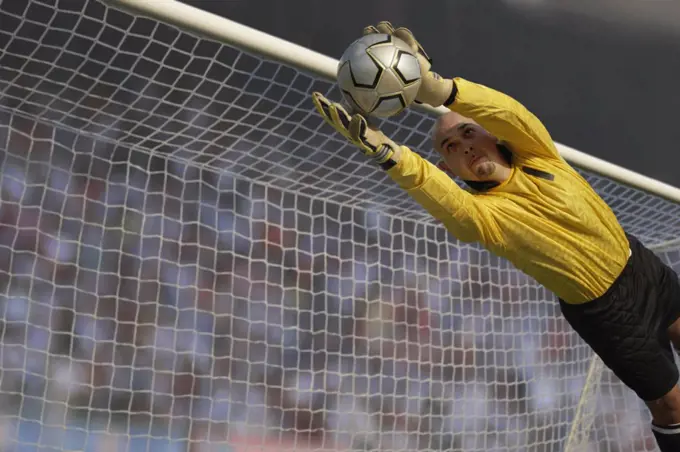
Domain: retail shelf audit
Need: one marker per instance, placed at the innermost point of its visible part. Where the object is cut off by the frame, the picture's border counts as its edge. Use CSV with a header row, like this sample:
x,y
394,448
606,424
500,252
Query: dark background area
x,y
601,77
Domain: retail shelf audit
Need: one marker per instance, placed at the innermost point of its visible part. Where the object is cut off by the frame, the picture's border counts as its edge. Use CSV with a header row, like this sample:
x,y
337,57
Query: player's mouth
x,y
475,160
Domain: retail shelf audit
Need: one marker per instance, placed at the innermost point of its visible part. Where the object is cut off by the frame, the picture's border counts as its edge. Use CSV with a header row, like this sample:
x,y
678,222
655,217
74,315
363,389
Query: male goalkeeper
x,y
529,206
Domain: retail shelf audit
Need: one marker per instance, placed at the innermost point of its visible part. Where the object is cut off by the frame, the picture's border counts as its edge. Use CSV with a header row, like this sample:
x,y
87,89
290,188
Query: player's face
x,y
467,150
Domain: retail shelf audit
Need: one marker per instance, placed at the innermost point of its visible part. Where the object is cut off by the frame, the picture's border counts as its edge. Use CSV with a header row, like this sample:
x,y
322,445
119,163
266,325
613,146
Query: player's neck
x,y
499,173
502,173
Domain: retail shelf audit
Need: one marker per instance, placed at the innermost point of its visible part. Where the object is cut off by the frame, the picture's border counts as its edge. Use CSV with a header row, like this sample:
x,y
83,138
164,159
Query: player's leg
x,y
666,411
628,329
674,334
666,420
641,362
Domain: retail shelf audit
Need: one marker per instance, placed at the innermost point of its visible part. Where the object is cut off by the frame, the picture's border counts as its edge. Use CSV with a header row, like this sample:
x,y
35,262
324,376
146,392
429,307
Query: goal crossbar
x,y
226,31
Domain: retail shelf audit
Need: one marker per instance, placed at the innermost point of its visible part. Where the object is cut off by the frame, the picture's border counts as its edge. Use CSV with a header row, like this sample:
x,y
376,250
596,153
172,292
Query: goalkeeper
x,y
529,206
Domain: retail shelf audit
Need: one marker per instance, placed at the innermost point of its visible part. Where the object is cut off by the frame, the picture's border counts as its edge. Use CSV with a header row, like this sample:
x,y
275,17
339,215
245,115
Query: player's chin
x,y
483,170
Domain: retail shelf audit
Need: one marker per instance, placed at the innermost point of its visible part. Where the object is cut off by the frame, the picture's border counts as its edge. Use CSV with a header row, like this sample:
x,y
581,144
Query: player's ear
x,y
441,164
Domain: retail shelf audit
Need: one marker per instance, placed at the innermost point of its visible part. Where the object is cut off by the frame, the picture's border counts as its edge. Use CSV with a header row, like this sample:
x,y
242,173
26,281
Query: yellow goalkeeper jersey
x,y
545,218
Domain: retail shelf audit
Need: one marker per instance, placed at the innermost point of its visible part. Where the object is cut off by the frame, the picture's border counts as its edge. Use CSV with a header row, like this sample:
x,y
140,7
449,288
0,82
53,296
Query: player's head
x,y
467,150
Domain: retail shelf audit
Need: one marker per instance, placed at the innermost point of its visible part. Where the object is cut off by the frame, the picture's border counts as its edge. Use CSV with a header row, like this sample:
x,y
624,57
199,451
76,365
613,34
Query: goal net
x,y
190,259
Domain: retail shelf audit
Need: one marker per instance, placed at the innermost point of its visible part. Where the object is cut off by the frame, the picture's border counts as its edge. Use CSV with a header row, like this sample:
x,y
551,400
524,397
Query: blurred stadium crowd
x,y
168,295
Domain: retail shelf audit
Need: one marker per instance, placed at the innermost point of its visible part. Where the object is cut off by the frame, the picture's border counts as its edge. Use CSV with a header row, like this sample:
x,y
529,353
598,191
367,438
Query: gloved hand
x,y
434,90
371,141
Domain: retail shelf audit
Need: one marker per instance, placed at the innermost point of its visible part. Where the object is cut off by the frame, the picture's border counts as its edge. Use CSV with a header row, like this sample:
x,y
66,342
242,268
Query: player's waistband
x,y
633,242
638,257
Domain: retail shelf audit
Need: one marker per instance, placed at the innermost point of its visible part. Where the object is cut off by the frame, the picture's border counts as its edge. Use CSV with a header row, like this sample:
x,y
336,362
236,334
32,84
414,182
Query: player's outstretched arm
x,y
498,113
504,117
464,216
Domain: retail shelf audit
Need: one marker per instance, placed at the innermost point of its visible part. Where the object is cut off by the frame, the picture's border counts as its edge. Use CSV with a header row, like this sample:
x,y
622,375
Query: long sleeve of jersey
x,y
464,215
503,117
545,218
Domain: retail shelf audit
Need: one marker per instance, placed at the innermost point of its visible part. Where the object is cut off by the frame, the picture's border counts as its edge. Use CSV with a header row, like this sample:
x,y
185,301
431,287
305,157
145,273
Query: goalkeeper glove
x,y
434,90
371,141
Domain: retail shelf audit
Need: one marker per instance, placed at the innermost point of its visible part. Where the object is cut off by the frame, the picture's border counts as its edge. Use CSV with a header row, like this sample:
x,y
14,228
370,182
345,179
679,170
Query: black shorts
x,y
627,326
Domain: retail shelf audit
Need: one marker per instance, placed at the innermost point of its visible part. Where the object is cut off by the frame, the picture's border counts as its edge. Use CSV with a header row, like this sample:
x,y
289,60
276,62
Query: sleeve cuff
x,y
407,172
389,164
452,97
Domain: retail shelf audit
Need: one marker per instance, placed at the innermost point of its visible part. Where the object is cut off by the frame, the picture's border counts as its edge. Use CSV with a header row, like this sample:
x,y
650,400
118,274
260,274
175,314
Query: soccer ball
x,y
379,75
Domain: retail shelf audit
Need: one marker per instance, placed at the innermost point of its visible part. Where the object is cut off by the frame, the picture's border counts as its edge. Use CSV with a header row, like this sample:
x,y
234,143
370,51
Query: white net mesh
x,y
191,259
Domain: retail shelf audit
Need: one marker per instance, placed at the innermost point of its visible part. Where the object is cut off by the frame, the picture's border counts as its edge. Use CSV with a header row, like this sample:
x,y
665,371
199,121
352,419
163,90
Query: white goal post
x,y
190,258
212,26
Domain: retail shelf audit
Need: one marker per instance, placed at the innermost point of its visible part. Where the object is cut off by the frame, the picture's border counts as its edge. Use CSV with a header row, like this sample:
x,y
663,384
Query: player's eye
x,y
451,147
467,133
